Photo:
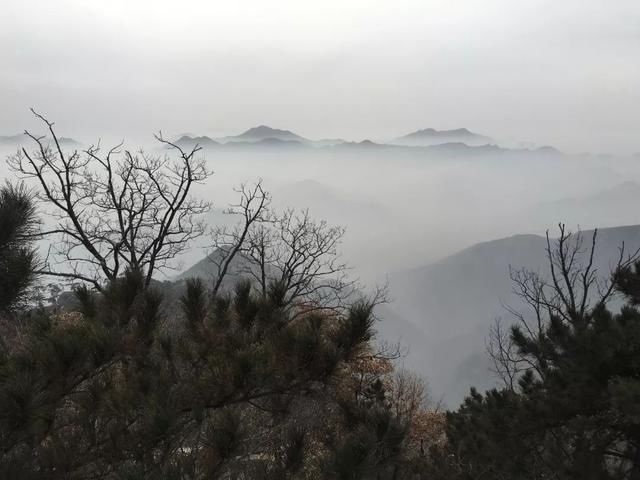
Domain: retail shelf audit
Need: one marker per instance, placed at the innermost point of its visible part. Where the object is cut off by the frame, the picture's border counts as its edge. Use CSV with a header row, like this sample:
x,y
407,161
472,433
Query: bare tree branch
x,y
574,289
114,210
289,250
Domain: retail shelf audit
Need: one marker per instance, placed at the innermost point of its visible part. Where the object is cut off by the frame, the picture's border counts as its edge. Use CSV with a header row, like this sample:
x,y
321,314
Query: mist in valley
x,y
408,209
448,141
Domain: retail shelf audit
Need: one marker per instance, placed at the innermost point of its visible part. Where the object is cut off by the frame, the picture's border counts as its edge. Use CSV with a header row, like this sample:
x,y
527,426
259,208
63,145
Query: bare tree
x,y
572,289
289,250
114,209
253,208
507,363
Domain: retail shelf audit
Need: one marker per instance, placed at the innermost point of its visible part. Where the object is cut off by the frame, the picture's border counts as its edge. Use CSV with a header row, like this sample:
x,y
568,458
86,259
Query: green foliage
x,y
126,387
18,259
371,442
575,413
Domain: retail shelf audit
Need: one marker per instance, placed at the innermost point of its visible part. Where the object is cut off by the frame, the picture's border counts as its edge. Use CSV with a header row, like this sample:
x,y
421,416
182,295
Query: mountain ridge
x,y
431,136
454,301
21,138
263,132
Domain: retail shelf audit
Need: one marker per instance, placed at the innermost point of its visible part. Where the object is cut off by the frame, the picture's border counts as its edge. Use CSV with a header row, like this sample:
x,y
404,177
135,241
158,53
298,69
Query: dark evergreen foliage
x,y
575,411
122,388
18,222
143,380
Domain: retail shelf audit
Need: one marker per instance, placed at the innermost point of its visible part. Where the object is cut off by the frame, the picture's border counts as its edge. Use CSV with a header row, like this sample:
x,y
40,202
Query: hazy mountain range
x,y
22,140
267,138
455,141
260,135
441,312
430,136
263,132
445,142
454,301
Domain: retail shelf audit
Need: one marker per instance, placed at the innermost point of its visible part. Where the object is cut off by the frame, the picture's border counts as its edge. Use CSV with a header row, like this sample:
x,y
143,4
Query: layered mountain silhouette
x,y
23,140
261,136
431,136
190,142
459,141
449,149
443,143
13,140
453,302
441,312
263,132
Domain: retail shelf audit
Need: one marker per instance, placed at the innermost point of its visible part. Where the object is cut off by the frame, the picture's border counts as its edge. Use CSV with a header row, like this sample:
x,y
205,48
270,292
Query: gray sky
x,y
554,72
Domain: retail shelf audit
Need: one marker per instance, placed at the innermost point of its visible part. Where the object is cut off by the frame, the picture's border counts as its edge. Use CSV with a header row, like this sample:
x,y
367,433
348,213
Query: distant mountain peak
x,y
21,139
431,136
202,141
548,150
263,132
441,133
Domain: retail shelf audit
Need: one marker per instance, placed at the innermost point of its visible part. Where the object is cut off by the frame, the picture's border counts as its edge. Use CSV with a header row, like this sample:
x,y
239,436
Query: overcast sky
x,y
556,72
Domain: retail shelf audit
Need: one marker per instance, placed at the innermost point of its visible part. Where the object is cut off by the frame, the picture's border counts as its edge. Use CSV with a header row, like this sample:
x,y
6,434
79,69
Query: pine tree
x,y
231,385
18,221
574,412
143,380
